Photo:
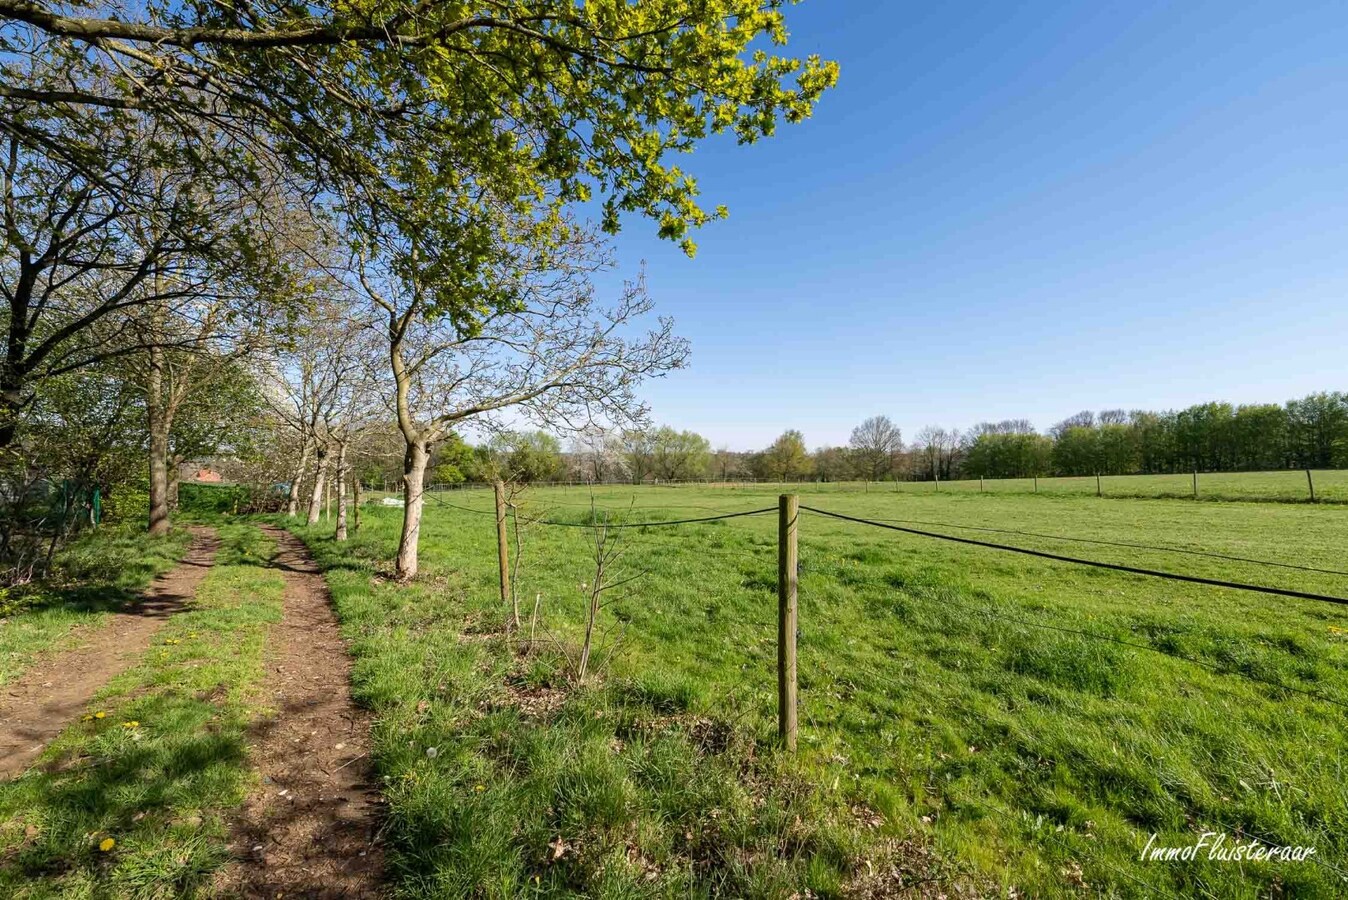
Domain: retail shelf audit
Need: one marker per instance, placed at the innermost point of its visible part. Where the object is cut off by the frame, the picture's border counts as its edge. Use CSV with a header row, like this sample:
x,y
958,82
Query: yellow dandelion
x,y
86,718
132,724
100,715
106,844
480,787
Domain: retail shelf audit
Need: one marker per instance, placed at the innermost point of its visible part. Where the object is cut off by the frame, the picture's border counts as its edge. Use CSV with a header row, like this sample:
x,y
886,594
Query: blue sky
x,y
1022,210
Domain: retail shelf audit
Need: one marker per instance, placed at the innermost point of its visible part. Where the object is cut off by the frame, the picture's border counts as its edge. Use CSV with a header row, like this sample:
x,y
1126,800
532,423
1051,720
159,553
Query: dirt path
x,y
58,687
310,829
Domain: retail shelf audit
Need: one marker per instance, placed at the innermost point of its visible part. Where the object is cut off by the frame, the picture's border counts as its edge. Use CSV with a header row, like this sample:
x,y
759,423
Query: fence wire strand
x,y
605,524
1107,543
1117,567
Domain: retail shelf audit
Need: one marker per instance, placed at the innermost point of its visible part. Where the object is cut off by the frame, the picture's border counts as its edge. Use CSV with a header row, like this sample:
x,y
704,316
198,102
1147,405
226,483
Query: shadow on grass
x,y
141,785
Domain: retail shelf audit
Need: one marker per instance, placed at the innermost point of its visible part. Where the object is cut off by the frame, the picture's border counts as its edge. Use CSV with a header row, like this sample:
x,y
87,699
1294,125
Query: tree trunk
x,y
320,478
293,501
341,491
12,369
157,421
11,405
414,475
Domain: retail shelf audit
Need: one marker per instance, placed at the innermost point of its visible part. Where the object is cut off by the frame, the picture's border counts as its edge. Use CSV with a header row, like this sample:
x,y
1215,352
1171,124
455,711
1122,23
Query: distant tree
x,y
1113,417
1154,435
597,456
218,419
639,448
1006,454
874,444
786,459
679,455
528,456
937,451
1077,451
1318,429
454,462
726,463
832,463
1083,419
1116,449
1260,437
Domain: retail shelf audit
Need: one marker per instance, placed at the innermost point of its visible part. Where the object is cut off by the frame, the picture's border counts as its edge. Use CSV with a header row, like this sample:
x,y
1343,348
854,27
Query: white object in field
x,y
392,501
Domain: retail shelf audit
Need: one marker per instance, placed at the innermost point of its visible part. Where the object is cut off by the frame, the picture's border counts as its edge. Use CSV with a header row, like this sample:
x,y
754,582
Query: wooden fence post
x,y
1310,483
1036,484
355,483
1195,484
1099,492
980,484
788,514
502,549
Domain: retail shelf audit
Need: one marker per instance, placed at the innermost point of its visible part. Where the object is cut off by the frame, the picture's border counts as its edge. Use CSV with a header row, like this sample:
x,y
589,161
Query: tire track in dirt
x,y
58,686
310,830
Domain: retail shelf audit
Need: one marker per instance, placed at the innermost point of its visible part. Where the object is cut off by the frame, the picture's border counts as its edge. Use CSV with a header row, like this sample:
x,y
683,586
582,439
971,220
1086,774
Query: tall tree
x,y
555,355
598,455
832,464
679,455
937,449
875,444
787,458
83,258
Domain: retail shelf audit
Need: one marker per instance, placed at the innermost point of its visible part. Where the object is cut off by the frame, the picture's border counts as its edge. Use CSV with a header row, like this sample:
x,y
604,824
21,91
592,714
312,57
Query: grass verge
x,y
99,571
503,780
129,802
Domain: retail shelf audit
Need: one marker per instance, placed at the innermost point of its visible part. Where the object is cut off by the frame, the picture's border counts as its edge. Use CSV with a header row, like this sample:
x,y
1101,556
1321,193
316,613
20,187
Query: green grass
x,y
160,789
502,782
1008,752
98,572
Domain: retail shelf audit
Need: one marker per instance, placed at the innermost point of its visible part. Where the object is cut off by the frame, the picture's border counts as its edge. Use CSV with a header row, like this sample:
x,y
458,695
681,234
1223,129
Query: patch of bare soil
x,y
58,687
311,828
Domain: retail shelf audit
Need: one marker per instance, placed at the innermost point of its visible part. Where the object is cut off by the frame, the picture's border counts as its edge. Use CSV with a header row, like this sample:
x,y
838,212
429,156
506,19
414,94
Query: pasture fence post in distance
x,y
1036,484
502,549
980,484
788,515
1310,483
1195,484
1099,492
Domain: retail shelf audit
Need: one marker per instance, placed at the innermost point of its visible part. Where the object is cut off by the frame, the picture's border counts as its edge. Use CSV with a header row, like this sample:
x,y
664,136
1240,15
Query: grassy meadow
x,y
953,723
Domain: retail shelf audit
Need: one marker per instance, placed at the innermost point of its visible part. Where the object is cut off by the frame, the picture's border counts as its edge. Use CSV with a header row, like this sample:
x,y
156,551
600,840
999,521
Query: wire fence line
x,y
987,611
1117,567
607,524
1186,551
1160,548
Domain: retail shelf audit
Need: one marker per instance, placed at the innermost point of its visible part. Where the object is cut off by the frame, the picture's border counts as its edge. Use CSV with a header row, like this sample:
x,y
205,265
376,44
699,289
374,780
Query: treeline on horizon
x,y
1307,433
